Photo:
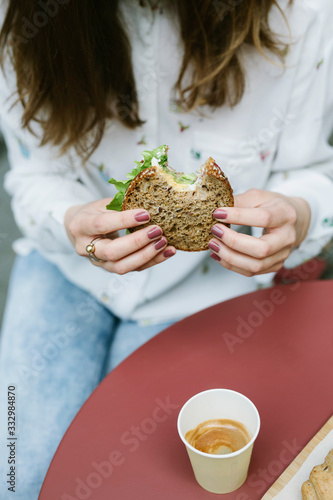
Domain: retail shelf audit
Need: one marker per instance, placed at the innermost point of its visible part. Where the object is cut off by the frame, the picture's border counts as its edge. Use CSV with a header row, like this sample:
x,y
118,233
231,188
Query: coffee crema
x,y
218,436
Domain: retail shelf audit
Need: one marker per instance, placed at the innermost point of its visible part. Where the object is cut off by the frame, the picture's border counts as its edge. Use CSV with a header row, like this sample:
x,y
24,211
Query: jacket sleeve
x,y
303,166
42,188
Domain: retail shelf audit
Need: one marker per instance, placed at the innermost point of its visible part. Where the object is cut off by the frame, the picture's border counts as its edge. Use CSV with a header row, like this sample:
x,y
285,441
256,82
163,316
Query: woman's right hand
x,y
133,252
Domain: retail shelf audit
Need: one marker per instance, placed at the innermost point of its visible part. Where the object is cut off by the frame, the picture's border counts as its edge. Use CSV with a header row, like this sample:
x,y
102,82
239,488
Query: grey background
x,y
9,232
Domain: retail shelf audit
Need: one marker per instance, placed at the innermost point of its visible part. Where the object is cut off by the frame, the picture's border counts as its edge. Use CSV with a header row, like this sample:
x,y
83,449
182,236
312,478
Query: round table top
x,y
274,345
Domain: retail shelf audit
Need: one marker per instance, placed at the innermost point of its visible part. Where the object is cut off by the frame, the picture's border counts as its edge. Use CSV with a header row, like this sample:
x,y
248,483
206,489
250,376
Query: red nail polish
x,y
220,214
153,233
142,216
215,257
214,246
169,253
160,244
217,231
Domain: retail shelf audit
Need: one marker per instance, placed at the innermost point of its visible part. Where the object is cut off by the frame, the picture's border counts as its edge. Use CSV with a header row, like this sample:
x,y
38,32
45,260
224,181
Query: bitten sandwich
x,y
181,204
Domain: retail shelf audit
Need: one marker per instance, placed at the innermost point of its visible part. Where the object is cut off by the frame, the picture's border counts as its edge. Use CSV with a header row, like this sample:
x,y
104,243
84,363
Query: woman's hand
x,y
285,222
120,255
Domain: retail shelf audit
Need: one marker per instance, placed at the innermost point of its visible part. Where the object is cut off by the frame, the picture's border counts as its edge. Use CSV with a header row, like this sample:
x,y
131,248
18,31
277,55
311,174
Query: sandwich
x,y
181,204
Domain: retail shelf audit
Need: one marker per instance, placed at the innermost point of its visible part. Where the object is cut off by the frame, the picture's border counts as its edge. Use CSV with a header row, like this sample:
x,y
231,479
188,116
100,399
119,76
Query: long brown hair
x,y
65,56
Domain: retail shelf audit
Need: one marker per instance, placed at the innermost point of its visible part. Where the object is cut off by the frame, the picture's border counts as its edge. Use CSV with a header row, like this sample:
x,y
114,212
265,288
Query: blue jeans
x,y
57,343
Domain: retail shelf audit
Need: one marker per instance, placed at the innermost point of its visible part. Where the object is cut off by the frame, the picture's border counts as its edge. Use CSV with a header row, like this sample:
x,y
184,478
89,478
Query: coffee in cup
x,y
218,436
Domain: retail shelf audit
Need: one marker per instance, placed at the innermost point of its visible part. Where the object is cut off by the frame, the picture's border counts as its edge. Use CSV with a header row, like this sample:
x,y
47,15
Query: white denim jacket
x,y
276,139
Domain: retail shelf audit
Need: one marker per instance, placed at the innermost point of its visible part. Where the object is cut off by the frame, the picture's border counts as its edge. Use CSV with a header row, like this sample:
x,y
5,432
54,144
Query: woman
x,y
94,84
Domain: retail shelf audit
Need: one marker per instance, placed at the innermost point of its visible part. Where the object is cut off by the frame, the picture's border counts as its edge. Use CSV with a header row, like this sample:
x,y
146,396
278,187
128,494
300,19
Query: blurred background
x,y
9,232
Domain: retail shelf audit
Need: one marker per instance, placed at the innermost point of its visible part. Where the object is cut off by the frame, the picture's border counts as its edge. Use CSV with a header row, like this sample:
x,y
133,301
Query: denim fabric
x,y
57,343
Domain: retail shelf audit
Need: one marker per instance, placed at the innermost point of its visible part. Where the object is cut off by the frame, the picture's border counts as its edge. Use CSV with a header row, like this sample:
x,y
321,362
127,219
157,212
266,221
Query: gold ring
x,y
90,249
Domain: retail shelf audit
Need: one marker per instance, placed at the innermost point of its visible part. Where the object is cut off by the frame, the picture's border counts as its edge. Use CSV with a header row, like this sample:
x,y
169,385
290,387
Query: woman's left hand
x,y
285,222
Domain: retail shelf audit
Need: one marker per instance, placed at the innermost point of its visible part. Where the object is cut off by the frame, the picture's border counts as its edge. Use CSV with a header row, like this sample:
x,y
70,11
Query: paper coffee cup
x,y
219,473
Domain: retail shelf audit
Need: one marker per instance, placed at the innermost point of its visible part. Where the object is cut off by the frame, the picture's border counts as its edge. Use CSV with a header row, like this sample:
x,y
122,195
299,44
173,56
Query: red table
x,y
274,345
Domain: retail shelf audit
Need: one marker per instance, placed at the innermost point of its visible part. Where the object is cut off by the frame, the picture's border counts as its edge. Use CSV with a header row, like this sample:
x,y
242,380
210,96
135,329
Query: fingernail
x,y
217,231
169,253
142,216
214,246
160,244
215,257
153,233
220,214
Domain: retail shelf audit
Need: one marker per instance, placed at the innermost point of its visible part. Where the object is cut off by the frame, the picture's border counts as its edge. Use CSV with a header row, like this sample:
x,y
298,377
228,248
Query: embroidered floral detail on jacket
x,y
183,127
195,154
142,141
320,63
24,150
101,168
205,269
328,222
264,154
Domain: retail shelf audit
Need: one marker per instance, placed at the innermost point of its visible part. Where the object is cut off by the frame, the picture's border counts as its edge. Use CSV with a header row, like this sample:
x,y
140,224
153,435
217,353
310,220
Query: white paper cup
x,y
219,473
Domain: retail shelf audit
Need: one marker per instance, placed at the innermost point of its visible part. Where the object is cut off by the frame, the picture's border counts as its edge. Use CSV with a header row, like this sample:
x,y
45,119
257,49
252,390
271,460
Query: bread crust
x,y
320,483
184,212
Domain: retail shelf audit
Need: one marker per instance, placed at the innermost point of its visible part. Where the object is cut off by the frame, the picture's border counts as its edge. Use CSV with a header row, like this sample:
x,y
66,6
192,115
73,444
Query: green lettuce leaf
x,y
186,178
116,202
161,156
159,153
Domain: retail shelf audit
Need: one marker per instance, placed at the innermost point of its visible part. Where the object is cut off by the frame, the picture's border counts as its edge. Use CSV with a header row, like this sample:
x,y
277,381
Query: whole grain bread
x,y
320,483
183,211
